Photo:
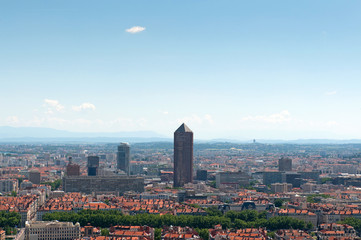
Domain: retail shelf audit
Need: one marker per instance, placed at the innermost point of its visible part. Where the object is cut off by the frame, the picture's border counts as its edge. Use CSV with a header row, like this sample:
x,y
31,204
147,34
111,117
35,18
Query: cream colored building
x,y
281,187
54,230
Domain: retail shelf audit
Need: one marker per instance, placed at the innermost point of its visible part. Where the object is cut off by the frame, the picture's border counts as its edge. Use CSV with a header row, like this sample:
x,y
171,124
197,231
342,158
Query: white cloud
x,y
135,29
330,93
195,119
163,112
12,120
208,118
53,105
283,116
84,106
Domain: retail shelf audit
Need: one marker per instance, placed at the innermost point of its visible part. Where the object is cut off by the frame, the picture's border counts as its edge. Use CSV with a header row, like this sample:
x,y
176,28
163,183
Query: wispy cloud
x,y
53,105
283,116
196,119
12,120
135,29
163,112
84,106
330,93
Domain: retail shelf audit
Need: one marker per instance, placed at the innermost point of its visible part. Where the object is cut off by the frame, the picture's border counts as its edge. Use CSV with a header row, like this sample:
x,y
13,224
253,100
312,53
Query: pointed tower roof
x,y
183,128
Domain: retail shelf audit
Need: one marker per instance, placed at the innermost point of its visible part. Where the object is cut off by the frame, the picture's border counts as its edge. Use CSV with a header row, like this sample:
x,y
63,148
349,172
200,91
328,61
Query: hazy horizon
x,y
41,134
228,69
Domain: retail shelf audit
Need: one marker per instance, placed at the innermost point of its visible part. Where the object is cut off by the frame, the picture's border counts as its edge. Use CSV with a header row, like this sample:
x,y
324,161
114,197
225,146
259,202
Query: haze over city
x,y
229,69
180,120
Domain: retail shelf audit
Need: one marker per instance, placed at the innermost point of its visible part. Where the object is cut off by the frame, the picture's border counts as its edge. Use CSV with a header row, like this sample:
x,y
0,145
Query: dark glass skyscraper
x,y
93,165
183,156
123,158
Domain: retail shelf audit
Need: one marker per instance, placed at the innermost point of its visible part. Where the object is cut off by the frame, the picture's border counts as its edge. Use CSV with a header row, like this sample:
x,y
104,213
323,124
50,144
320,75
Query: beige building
x,y
54,230
308,187
281,187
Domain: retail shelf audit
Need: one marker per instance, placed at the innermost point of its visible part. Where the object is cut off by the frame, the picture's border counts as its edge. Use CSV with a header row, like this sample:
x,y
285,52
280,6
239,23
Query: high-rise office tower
x,y
183,156
285,164
123,158
93,165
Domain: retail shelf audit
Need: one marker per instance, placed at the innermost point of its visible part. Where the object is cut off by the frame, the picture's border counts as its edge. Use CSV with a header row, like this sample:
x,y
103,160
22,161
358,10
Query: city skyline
x,y
265,70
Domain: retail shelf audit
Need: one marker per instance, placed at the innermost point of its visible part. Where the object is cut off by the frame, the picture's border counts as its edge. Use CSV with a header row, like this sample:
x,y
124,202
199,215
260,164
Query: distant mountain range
x,y
37,134
41,135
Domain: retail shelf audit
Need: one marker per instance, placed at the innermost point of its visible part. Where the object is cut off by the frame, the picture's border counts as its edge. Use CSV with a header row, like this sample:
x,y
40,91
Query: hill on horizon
x,y
39,134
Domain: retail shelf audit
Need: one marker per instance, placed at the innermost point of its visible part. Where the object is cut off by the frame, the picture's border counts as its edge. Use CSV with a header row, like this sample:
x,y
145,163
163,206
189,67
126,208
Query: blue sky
x,y
229,69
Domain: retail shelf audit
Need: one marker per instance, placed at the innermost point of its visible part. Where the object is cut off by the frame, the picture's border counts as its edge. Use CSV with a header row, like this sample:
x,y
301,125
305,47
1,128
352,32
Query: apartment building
x,y
54,230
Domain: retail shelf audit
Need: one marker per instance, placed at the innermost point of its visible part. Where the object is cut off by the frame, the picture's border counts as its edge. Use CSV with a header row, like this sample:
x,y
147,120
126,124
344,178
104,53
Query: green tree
x,y
285,222
213,211
213,184
54,185
9,219
104,232
271,235
203,233
105,219
354,222
279,202
157,234
325,180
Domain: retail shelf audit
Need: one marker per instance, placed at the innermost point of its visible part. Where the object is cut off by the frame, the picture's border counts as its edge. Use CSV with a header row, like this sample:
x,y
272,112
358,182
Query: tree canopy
x,y
232,219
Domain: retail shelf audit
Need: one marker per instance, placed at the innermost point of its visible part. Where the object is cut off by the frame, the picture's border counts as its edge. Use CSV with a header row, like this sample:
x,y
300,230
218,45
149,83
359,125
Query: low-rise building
x,y
232,179
247,233
288,234
103,184
25,205
326,231
281,187
304,215
125,232
54,230
173,233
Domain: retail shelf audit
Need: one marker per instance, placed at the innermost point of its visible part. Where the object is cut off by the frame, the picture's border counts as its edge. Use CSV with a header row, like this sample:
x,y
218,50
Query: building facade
x,y
103,184
123,158
72,169
281,187
183,156
272,177
285,164
9,185
54,230
34,176
93,165
232,179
